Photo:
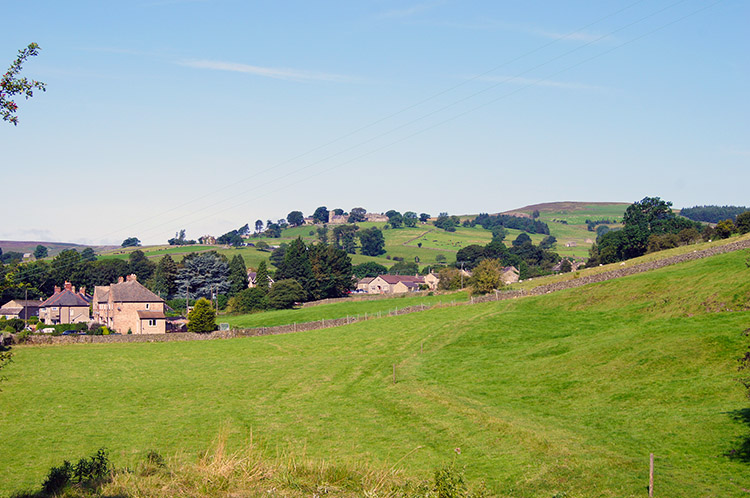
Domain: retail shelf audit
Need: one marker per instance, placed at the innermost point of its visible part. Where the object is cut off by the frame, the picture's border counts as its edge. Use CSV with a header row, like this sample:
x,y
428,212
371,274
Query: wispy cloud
x,y
736,151
495,25
515,80
410,11
268,72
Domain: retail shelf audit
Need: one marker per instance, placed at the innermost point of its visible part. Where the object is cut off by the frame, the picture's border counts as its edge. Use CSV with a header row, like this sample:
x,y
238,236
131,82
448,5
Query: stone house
x,y
20,308
65,306
363,284
251,279
129,306
509,275
394,284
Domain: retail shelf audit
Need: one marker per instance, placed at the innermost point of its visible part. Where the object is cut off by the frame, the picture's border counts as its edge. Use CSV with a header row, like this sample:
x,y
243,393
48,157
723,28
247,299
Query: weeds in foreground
x,y
220,473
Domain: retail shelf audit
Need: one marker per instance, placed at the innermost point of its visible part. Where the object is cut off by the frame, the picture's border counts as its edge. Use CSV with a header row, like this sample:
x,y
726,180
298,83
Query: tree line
x,y
712,214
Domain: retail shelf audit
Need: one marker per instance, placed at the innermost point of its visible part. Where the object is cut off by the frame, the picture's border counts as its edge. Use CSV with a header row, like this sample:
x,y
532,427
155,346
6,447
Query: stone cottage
x,y
128,306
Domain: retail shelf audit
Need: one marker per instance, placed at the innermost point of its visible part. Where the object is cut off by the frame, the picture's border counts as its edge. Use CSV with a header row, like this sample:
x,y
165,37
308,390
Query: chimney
x,y
83,291
57,289
120,280
67,285
73,289
132,278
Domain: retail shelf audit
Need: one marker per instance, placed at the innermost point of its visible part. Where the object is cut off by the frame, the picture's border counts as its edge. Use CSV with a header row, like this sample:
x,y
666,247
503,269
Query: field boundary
x,y
338,322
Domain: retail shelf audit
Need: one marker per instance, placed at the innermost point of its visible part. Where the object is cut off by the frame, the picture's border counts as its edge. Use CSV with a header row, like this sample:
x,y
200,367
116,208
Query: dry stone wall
x,y
324,324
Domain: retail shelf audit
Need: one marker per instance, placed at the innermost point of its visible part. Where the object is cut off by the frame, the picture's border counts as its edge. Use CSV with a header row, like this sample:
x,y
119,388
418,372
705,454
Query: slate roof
x,y
131,292
151,315
394,279
65,297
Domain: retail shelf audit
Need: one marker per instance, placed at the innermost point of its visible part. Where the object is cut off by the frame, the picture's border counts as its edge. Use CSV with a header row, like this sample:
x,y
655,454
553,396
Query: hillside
x,y
27,246
566,220
567,392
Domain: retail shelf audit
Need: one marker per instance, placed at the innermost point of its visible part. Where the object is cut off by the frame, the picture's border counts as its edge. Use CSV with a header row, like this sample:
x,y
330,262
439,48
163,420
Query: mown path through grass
x,y
567,392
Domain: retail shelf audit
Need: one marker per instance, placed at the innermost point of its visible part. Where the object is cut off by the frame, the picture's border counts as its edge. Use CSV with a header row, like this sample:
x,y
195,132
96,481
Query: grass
x,y
336,310
403,243
567,392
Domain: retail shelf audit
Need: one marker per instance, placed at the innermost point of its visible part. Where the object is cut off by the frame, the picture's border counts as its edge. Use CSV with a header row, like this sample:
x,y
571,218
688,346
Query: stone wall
x,y
324,324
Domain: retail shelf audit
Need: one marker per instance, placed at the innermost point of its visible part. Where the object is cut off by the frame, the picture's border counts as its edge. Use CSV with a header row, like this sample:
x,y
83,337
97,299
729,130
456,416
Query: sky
x,y
204,115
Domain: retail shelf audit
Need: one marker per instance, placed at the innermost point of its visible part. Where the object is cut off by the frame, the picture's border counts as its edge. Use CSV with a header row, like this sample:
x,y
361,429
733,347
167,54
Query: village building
x,y
398,284
251,279
208,240
128,306
20,308
509,275
65,306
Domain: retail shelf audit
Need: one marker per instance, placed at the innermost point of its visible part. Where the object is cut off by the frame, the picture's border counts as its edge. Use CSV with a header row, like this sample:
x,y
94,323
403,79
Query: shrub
x,y
285,293
743,222
202,318
724,229
86,471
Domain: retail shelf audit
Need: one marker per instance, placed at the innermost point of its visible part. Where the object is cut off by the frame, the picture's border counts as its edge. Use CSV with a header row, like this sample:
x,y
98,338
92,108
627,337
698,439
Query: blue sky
x,y
208,114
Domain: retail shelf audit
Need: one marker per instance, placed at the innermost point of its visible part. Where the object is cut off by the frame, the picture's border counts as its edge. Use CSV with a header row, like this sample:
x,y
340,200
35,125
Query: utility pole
x,y
187,299
26,309
462,274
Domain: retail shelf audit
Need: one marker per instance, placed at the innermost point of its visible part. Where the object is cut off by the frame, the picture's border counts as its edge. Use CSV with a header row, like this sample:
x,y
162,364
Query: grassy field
x,y
336,310
567,392
404,243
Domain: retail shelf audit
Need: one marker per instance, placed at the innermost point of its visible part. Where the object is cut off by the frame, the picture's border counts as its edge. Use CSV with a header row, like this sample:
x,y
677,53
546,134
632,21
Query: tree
x,y
372,241
296,266
202,318
237,275
523,238
163,280
140,265
88,254
487,276
278,254
248,301
565,266
204,274
357,215
332,271
320,215
535,214
743,222
344,237
11,84
261,277
339,212
323,234
369,269
133,242
468,257
725,228
424,217
258,226
285,294
548,242
295,218
404,268
40,252
273,230
410,219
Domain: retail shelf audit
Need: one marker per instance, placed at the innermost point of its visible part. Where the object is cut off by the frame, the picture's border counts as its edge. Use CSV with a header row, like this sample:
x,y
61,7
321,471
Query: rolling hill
x,y
561,393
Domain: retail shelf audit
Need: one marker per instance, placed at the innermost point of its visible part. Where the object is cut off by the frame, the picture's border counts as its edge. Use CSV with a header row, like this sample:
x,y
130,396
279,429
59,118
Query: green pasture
x,y
337,310
559,395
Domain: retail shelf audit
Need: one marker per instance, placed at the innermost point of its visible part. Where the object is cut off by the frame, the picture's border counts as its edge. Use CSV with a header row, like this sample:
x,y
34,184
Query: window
x,y
152,323
147,305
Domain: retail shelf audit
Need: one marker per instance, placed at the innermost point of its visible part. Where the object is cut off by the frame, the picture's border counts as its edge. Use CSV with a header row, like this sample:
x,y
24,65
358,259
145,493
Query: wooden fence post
x,y
650,470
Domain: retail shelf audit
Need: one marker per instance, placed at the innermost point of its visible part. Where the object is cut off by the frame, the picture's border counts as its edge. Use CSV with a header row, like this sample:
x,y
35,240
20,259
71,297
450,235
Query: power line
x,y
452,104
397,113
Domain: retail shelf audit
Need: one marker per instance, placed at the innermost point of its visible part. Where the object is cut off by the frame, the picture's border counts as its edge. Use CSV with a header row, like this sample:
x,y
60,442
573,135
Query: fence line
x,y
326,323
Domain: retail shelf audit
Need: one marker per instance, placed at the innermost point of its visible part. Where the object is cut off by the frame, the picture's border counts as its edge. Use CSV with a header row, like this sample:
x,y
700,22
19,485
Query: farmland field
x,y
563,393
